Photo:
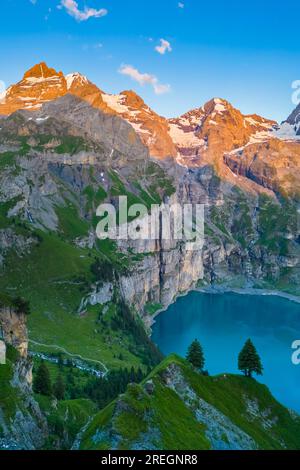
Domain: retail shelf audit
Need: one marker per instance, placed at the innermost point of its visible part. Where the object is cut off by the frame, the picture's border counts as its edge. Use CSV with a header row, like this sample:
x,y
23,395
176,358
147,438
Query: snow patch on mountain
x,y
115,102
288,131
34,80
219,105
76,76
184,138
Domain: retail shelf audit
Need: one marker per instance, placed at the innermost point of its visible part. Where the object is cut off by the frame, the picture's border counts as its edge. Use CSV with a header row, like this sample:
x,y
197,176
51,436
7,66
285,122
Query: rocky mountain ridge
x,y
200,137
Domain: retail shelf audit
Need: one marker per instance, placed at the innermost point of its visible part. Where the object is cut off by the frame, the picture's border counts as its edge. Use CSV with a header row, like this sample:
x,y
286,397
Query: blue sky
x,y
247,52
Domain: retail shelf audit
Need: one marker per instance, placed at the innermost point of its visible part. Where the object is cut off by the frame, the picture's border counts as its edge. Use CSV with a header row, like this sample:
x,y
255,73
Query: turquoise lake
x,y
223,322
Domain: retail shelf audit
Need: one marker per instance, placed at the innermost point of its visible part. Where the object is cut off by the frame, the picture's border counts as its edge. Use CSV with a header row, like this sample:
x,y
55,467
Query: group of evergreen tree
x,y
248,361
103,270
42,383
102,390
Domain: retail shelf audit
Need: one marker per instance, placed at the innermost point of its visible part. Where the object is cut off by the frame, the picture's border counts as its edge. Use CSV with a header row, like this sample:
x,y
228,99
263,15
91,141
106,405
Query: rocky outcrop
x,y
22,424
21,244
222,433
100,295
14,330
160,277
273,164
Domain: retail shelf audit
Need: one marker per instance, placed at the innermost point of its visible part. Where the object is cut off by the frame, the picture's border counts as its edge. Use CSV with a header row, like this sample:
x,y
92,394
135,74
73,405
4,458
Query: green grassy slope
x,y
65,420
169,411
54,277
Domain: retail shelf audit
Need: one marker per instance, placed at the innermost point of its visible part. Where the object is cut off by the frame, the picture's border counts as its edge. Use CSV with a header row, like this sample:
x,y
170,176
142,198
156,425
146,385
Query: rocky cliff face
x,y
66,147
22,425
273,164
167,269
14,329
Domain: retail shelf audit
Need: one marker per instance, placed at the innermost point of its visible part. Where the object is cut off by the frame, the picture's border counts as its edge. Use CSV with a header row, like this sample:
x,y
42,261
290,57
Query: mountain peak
x,y
132,99
76,79
218,105
41,70
294,117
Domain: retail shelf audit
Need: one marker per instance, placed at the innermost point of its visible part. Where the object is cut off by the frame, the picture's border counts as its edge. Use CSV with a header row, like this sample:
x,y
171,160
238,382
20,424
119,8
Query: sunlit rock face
x,y
14,330
273,164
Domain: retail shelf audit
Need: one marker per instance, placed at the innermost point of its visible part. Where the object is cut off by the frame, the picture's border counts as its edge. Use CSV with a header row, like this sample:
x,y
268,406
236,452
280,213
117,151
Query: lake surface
x,y
223,322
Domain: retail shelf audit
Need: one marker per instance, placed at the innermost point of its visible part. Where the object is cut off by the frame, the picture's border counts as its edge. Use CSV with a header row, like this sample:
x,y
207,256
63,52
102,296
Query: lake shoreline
x,y
247,291
223,289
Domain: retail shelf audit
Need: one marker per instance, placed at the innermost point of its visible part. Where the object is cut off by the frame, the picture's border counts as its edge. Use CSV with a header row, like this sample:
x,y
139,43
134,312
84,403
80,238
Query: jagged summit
x,y
41,70
217,105
76,79
294,117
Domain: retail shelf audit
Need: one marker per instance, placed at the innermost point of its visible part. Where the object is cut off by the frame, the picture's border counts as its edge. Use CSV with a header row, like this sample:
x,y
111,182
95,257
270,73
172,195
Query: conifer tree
x,y
249,361
195,355
42,381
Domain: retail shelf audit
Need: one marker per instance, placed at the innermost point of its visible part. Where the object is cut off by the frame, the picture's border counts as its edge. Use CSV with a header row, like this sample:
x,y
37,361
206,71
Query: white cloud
x,y
180,5
72,9
144,79
163,47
